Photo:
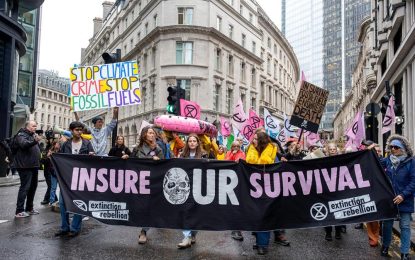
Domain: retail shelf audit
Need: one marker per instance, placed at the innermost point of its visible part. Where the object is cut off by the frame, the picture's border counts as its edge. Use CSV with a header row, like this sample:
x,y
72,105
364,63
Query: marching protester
x,y
294,151
192,150
221,153
47,168
175,142
400,168
76,145
261,151
332,150
235,154
120,150
147,148
100,133
55,147
27,163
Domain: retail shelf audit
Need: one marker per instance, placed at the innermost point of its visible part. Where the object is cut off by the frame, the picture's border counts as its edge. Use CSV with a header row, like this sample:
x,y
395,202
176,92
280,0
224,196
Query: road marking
x,y
3,221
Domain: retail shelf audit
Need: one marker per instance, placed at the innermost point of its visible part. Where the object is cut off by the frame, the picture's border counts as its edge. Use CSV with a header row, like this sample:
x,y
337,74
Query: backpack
x,y
12,143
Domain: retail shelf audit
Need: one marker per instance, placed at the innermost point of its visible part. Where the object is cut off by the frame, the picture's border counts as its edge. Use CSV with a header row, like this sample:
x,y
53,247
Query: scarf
x,y
396,160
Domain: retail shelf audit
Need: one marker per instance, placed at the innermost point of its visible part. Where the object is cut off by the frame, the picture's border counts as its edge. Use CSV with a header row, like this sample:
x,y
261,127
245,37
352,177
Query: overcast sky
x,y
66,28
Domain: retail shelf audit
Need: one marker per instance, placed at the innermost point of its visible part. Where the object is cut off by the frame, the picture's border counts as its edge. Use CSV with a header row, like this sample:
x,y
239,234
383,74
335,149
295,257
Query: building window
x,y
126,22
184,52
243,99
216,98
153,58
253,77
253,47
243,40
184,84
132,43
253,103
243,71
230,31
262,90
144,68
269,43
155,20
269,66
218,60
139,6
270,95
138,36
146,29
251,18
230,65
143,97
185,15
132,15
275,50
153,91
275,70
241,10
229,100
219,23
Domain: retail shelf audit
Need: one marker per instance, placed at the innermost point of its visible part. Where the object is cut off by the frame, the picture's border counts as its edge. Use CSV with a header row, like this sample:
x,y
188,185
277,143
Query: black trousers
x,y
329,229
27,190
47,173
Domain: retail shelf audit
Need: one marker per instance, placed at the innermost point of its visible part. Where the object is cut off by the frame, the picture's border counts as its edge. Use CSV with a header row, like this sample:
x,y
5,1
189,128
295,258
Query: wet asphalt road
x,y
33,238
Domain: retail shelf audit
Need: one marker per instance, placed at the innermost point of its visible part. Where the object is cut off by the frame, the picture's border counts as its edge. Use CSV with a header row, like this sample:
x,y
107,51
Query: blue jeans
x,y
76,220
262,238
405,227
53,186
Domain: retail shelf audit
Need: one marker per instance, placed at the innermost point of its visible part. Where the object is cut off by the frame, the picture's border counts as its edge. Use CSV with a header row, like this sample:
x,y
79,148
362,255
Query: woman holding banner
x,y
332,151
400,168
261,151
192,150
147,148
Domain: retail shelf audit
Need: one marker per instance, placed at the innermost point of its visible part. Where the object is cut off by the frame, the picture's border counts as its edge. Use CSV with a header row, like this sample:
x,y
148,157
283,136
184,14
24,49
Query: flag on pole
x,y
225,126
357,130
239,117
189,109
272,124
288,128
389,120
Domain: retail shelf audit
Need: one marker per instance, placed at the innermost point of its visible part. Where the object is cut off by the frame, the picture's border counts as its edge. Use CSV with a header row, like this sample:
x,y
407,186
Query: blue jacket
x,y
403,181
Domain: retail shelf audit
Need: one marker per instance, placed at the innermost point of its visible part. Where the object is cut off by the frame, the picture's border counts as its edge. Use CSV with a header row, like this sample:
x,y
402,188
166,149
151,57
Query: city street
x,y
33,238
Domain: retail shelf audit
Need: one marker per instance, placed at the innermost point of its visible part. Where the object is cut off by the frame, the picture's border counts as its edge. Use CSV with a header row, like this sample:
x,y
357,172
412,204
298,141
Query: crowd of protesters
x,y
156,144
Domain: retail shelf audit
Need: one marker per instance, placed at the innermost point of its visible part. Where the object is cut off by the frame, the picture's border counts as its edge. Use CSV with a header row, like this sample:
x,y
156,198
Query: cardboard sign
x,y
309,108
105,86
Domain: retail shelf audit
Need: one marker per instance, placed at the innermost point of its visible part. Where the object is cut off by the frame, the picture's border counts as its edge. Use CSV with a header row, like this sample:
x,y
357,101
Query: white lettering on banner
x,y
337,205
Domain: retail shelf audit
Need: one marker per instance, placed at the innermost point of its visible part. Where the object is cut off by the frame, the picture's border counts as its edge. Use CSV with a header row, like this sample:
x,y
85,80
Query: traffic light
x,y
112,57
173,102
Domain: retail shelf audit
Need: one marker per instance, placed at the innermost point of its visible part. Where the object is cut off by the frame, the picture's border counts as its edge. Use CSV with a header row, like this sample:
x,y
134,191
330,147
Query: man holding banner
x,y
99,133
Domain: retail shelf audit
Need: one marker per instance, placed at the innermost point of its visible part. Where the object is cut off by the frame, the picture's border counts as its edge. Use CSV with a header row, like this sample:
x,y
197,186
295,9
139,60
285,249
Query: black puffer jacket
x,y
28,152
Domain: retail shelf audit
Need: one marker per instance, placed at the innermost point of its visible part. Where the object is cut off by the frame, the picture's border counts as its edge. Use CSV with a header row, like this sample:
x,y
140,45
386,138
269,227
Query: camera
x,y
39,132
49,134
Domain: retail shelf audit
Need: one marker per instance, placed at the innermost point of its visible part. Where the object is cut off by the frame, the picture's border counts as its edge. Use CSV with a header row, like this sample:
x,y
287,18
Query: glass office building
x,y
314,29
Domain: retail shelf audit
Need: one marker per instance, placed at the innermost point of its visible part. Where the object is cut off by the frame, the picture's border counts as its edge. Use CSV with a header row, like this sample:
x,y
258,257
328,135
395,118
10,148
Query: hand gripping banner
x,y
222,195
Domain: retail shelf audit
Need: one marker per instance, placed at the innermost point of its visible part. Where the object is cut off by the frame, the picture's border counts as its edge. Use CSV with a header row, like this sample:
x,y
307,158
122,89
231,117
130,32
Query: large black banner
x,y
221,195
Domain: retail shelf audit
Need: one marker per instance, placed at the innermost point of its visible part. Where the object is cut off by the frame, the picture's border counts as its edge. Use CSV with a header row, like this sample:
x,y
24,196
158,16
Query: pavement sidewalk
x,y
15,180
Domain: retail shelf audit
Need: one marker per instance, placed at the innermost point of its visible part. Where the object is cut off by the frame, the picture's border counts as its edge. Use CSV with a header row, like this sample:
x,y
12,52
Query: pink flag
x,y
189,109
389,120
225,126
253,123
312,138
356,131
254,120
239,118
303,76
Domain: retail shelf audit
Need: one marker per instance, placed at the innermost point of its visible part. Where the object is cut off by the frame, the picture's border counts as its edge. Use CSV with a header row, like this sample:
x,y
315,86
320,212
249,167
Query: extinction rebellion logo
x,y
105,209
344,208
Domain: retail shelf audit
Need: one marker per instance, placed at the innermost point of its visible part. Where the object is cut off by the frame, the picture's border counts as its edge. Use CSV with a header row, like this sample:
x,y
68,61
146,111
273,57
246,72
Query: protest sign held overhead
x,y
309,108
105,86
335,190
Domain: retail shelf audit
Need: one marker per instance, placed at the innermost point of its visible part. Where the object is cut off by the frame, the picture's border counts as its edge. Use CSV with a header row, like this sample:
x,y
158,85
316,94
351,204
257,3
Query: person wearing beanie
x,y
400,168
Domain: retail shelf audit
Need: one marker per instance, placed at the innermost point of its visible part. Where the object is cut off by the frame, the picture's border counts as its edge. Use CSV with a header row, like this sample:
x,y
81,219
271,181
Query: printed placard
x,y
105,86
309,108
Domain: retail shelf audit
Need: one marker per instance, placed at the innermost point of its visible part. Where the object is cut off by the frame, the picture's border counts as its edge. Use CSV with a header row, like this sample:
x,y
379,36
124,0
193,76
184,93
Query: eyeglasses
x,y
394,147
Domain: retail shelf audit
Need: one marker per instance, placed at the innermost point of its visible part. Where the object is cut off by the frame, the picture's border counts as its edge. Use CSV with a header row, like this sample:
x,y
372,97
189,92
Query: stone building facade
x,y
218,51
52,101
392,58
